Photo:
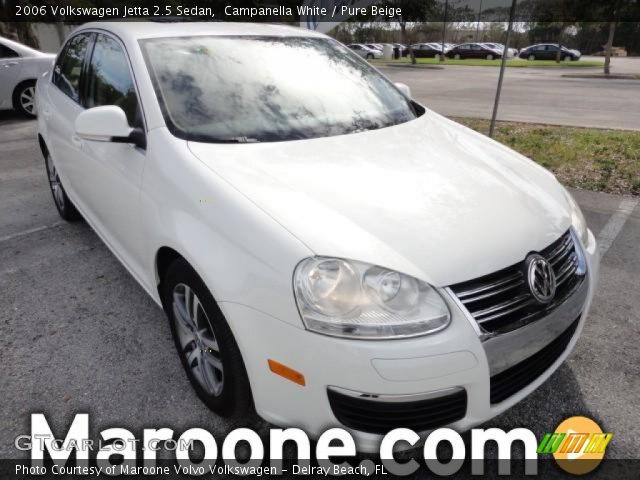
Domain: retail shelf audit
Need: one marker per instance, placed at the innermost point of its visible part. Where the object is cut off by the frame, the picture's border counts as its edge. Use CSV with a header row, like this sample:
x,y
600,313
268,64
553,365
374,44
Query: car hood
x,y
429,198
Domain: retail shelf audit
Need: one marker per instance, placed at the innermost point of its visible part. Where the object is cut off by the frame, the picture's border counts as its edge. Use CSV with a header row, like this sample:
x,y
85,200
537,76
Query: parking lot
x,y
77,333
544,95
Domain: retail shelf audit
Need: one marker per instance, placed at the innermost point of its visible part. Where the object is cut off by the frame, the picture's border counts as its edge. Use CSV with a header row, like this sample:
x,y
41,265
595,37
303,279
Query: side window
x,y
66,73
6,52
109,80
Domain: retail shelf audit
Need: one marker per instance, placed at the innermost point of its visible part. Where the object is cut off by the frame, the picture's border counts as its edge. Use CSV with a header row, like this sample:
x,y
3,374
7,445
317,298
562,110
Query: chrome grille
x,y
501,301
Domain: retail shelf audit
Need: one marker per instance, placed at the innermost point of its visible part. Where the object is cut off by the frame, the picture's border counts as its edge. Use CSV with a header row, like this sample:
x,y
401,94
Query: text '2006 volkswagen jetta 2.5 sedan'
x,y
328,251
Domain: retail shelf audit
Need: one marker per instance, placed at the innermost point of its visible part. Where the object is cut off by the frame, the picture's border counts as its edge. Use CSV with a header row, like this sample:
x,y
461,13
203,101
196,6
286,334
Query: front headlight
x,y
577,219
353,299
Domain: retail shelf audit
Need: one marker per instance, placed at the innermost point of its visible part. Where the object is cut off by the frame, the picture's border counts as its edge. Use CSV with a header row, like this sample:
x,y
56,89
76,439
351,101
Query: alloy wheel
x,y
197,341
28,100
54,183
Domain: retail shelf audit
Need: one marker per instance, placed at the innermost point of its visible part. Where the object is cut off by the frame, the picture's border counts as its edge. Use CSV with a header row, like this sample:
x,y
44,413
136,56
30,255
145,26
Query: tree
x,y
608,14
411,11
608,47
614,12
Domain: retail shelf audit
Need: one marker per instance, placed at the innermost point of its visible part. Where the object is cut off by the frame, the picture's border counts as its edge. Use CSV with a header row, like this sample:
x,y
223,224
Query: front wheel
x,y
369,56
208,351
24,98
66,208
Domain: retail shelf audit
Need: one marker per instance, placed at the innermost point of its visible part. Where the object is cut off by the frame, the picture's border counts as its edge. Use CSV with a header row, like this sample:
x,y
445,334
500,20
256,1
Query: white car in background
x,y
499,47
20,67
365,52
577,53
352,260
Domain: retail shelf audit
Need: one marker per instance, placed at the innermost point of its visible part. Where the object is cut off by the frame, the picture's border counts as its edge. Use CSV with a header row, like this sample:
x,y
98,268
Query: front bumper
x,y
452,359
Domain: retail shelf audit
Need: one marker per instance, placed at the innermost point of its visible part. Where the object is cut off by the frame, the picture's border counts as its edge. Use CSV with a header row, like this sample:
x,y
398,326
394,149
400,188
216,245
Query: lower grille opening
x,y
515,378
380,417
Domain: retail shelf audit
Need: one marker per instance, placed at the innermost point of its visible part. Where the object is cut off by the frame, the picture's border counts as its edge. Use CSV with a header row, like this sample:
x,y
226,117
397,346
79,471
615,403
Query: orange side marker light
x,y
286,372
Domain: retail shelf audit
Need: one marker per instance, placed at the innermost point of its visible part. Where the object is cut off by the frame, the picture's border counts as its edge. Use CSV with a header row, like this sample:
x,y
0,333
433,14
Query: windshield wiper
x,y
208,139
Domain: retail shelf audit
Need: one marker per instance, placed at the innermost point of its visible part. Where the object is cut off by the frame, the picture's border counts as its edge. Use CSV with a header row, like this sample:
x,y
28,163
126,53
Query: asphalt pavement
x,y
539,95
77,333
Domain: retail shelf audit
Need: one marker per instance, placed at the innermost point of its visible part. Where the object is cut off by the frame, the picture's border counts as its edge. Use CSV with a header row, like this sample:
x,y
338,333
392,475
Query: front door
x,y
113,171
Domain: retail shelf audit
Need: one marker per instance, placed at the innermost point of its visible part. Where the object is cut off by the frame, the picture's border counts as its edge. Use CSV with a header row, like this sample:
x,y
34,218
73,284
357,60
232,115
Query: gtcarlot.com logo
x,y
577,444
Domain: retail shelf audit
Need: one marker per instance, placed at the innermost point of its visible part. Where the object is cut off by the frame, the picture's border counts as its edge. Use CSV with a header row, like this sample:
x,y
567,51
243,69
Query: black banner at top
x,y
313,12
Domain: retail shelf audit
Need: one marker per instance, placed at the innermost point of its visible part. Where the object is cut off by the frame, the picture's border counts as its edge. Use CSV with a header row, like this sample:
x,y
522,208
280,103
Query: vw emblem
x,y
541,278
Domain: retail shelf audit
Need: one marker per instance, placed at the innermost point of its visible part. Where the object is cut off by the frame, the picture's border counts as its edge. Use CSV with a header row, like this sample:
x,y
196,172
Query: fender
x,y
188,221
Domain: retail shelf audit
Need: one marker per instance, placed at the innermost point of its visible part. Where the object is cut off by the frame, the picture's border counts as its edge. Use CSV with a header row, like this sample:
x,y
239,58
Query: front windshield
x,y
267,89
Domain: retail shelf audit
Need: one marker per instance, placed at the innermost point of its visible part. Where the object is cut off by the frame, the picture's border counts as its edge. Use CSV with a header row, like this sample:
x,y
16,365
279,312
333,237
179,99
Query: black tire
x,y
369,56
22,89
66,209
235,399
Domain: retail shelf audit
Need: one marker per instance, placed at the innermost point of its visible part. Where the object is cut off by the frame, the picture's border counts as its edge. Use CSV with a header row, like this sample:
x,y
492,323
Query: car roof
x,y
134,31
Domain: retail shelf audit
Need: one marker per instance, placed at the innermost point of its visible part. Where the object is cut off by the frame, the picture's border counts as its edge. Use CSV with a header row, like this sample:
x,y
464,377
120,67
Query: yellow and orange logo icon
x,y
578,445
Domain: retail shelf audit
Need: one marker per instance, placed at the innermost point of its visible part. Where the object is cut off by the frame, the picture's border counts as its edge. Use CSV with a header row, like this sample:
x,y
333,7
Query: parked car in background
x,y
375,46
511,52
20,67
447,46
549,51
424,50
474,50
365,51
577,53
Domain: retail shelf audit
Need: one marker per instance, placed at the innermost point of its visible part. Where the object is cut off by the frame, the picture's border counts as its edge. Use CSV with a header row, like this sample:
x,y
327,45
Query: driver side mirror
x,y
108,124
404,89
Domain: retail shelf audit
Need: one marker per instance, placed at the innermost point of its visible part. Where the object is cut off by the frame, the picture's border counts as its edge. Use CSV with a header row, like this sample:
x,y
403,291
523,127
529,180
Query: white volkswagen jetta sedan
x,y
324,259
20,67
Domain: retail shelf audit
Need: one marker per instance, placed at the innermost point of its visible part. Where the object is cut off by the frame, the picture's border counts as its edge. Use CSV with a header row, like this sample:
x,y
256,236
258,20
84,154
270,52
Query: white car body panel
x,y
423,196
30,65
429,198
